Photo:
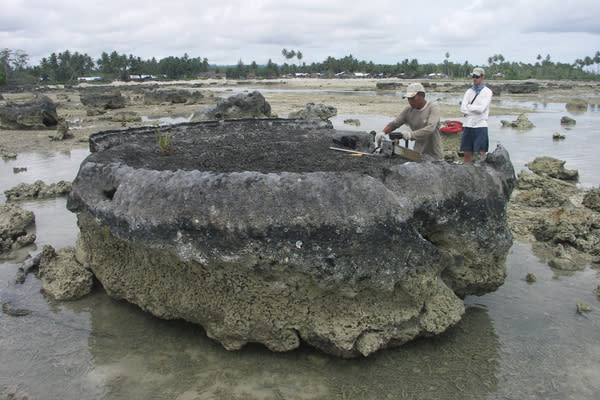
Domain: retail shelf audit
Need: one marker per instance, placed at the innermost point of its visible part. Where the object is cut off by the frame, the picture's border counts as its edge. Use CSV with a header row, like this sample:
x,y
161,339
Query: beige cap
x,y
413,89
478,71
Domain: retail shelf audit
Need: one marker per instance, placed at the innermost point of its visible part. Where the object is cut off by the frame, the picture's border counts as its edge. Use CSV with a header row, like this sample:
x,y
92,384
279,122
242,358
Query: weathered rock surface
x,y
39,114
37,190
552,167
316,111
591,199
103,99
173,96
242,105
258,232
62,276
14,222
522,122
522,88
548,208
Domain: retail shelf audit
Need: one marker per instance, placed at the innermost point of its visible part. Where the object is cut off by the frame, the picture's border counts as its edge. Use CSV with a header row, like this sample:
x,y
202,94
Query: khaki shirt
x,y
425,127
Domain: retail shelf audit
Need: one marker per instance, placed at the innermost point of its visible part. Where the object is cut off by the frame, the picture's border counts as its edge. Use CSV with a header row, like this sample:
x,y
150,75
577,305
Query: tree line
x,y
67,67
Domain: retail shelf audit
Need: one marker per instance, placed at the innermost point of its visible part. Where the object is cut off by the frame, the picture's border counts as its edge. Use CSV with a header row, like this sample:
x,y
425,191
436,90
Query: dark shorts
x,y
474,140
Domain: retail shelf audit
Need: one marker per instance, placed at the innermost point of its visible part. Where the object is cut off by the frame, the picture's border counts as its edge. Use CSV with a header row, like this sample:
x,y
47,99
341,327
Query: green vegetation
x,y
164,142
67,67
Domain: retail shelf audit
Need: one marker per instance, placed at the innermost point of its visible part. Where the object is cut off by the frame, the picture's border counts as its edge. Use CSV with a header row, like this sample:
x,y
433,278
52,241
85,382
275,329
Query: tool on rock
x,y
403,151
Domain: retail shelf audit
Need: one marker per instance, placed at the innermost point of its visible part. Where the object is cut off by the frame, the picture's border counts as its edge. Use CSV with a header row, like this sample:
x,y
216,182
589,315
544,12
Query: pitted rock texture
x,y
259,232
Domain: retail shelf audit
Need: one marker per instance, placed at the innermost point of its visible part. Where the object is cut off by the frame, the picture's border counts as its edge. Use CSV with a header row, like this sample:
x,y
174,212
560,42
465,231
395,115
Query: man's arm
x,y
397,122
481,104
431,125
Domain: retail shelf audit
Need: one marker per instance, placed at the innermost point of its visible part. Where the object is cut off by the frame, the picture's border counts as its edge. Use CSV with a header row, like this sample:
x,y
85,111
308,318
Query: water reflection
x,y
100,348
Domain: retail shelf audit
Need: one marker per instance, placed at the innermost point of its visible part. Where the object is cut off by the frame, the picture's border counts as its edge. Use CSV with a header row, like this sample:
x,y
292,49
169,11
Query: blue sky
x,y
227,31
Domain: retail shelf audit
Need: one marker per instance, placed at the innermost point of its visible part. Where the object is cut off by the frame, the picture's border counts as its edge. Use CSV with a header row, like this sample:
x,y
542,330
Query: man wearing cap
x,y
423,118
476,108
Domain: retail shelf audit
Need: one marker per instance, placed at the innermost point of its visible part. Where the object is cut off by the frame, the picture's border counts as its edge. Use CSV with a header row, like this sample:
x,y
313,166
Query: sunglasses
x,y
476,76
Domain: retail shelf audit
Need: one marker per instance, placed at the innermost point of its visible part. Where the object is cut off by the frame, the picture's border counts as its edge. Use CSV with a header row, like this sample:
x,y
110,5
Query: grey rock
x,y
522,88
591,199
14,222
30,264
9,309
552,167
37,190
103,99
522,122
567,121
172,96
242,105
39,114
258,232
126,116
315,111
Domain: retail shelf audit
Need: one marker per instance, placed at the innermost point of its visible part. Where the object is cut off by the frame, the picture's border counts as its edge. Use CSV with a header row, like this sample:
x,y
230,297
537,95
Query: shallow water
x,y
524,341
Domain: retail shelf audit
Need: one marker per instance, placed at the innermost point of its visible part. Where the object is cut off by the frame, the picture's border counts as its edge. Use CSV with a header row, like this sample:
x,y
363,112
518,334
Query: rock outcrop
x,y
522,122
62,276
172,96
315,111
102,99
242,105
39,114
549,209
37,190
14,222
257,231
522,88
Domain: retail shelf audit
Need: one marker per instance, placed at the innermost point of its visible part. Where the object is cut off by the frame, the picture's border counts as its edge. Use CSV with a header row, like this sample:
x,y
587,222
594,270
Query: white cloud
x,y
381,31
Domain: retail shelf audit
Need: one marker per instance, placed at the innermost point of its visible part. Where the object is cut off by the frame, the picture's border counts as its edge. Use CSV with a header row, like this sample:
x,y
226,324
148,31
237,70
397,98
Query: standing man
x,y
423,118
476,108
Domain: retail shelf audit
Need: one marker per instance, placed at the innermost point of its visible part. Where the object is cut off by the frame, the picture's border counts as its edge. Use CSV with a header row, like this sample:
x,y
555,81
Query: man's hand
x,y
407,136
378,138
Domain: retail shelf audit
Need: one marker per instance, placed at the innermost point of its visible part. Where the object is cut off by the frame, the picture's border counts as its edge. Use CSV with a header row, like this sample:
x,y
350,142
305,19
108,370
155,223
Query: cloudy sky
x,y
226,31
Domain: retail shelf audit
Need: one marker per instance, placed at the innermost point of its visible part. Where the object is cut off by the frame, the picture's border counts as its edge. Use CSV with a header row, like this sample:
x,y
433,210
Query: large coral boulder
x,y
259,232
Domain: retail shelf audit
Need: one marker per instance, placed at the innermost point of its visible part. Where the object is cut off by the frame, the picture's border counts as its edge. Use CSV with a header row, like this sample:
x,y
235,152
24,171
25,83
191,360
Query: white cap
x,y
478,71
413,89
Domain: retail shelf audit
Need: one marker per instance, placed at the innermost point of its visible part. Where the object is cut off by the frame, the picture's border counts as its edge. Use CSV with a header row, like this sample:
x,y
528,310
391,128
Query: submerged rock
x,y
255,230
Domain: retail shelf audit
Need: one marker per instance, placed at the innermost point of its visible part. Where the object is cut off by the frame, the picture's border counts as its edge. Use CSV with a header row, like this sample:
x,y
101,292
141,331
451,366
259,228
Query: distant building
x,y
142,77
89,79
